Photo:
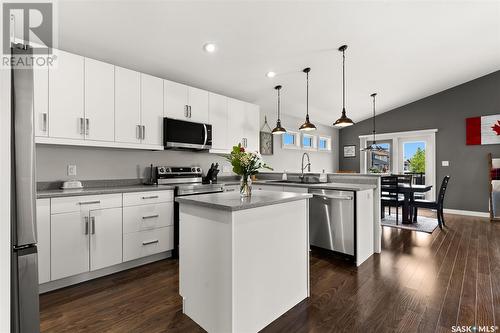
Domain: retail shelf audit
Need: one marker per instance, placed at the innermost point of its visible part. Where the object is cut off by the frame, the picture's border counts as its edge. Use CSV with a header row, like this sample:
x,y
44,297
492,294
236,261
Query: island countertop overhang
x,y
231,201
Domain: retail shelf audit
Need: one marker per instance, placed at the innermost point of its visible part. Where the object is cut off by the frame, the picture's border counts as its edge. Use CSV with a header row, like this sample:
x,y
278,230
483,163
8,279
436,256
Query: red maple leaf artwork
x,y
496,127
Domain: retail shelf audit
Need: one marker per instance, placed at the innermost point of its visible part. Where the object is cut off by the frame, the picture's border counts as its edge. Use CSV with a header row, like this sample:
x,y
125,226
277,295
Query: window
x,y
290,140
324,143
380,161
308,142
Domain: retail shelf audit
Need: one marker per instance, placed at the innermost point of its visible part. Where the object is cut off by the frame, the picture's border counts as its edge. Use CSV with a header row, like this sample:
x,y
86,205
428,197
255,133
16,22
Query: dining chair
x,y
437,205
390,194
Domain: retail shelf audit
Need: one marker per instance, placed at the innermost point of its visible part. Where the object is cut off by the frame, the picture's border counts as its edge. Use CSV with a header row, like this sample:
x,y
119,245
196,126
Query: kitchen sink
x,y
306,180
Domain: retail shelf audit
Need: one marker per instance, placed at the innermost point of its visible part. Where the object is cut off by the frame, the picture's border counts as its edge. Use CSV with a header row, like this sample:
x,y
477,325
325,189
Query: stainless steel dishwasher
x,y
332,220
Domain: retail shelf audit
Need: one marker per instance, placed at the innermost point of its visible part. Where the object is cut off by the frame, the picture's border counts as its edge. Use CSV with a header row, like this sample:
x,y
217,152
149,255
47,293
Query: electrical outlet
x,y
445,163
71,170
227,169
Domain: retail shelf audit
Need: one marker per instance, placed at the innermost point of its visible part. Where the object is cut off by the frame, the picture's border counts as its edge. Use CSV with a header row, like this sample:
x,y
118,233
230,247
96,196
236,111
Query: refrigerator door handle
x,y
86,219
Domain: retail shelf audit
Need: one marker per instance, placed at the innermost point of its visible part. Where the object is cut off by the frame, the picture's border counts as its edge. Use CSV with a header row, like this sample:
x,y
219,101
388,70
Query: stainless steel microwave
x,y
181,134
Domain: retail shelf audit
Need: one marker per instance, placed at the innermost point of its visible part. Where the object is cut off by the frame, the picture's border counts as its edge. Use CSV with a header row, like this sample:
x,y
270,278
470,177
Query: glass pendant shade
x,y
278,129
307,126
343,121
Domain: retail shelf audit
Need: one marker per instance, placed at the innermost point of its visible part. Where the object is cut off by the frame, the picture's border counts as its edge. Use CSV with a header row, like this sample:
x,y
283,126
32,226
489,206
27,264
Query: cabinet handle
x,y
82,126
89,202
44,122
230,190
186,111
87,126
151,242
92,225
86,218
190,111
143,132
150,217
138,131
150,197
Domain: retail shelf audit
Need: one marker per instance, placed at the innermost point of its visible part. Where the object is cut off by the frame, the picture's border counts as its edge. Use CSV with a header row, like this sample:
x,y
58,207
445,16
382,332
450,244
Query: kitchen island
x,y
243,262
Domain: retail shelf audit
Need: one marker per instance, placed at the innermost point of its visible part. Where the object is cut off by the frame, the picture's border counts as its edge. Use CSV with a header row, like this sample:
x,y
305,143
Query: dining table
x,y
408,191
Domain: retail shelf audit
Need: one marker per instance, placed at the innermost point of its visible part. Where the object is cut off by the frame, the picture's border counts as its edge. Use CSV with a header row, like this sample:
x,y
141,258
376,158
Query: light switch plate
x,y
71,170
445,163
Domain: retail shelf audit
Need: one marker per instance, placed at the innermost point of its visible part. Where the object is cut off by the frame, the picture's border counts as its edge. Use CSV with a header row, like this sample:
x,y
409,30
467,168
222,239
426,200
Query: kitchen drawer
x,y
276,188
148,242
90,202
144,198
145,217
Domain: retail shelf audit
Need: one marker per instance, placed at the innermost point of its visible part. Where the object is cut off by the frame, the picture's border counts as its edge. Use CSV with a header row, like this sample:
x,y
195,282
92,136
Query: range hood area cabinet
x,y
85,102
233,122
185,103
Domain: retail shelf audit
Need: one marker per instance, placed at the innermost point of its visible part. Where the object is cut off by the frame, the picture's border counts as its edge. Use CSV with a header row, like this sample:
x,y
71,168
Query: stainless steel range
x,y
187,181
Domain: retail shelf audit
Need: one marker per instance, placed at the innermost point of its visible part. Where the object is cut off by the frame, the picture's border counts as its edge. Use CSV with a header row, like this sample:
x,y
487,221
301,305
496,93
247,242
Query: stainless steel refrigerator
x,y
24,266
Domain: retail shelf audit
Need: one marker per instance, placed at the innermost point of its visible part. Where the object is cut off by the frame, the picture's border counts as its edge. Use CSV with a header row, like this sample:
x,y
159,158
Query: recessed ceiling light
x,y
271,74
210,47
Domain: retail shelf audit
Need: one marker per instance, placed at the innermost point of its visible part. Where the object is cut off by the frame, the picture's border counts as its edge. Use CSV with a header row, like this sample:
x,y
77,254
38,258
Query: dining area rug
x,y
423,224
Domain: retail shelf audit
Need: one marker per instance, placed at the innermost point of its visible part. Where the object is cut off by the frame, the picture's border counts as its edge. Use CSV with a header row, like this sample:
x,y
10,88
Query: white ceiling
x,y
404,50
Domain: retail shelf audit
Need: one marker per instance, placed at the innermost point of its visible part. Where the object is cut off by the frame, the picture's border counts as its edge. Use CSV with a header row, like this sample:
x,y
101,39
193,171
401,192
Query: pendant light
x,y
278,129
307,126
343,121
374,147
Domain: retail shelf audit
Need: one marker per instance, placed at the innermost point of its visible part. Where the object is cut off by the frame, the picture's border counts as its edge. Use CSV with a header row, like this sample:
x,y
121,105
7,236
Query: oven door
x,y
180,134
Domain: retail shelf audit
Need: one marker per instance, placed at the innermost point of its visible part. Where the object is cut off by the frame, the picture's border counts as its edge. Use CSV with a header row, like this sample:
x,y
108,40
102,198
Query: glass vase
x,y
245,186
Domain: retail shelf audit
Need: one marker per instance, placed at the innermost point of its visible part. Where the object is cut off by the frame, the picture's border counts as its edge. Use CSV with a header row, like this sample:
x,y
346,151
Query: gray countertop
x,y
231,201
325,186
101,190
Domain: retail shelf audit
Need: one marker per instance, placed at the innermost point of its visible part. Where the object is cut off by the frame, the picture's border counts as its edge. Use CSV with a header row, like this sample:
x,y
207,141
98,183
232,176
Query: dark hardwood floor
x,y
420,283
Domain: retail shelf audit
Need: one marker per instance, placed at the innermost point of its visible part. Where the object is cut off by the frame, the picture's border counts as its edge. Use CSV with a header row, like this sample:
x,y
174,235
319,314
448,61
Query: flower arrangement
x,y
245,164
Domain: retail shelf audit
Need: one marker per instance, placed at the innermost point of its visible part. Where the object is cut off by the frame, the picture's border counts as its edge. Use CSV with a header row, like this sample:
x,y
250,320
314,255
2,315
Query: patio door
x,y
416,156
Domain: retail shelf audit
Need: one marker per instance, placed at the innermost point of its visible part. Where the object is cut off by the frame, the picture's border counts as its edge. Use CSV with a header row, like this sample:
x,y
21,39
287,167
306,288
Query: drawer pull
x,y
90,202
230,190
150,217
150,242
150,197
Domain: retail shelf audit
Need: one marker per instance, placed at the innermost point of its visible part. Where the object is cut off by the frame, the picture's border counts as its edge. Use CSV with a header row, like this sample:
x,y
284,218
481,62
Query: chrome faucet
x,y
308,165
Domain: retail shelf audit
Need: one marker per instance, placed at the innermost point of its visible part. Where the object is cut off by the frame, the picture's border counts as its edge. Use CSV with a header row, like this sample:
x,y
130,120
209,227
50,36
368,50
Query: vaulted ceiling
x,y
404,50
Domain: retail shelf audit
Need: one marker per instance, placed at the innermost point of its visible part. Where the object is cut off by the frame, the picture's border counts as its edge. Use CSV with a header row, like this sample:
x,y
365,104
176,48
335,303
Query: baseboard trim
x,y
466,212
70,280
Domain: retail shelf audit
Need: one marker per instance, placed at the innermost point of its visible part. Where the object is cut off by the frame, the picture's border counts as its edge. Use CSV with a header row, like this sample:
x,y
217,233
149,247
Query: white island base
x,y
242,268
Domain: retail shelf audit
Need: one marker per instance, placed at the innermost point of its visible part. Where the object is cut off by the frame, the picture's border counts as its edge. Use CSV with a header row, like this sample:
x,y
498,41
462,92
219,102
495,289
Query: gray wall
x,y
446,111
104,163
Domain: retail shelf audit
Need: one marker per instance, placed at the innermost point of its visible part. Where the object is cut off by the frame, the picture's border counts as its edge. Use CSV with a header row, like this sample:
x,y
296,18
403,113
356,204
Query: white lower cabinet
x,y
105,237
69,247
82,234
146,217
43,239
148,242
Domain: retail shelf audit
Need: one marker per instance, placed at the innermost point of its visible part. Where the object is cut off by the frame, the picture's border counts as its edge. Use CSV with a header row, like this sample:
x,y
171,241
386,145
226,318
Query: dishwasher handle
x,y
334,197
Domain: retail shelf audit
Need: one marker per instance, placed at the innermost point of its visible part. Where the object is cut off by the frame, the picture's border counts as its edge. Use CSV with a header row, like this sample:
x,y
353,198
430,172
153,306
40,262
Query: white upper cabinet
x,y
217,117
176,100
152,109
66,96
41,100
198,105
127,106
185,103
252,126
99,100
235,121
